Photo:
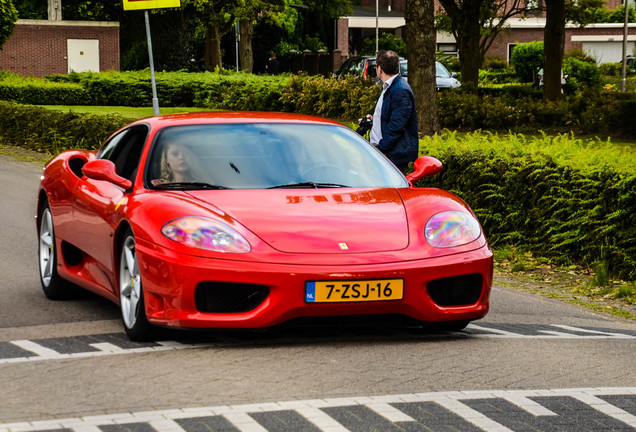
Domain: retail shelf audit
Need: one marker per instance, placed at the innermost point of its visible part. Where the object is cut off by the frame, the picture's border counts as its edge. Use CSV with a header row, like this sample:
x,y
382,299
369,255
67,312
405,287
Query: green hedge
x,y
336,98
559,197
43,92
516,107
610,113
43,130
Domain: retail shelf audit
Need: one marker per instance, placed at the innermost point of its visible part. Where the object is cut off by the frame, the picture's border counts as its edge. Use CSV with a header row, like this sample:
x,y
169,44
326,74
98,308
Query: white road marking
x,y
238,415
41,353
38,350
607,408
390,413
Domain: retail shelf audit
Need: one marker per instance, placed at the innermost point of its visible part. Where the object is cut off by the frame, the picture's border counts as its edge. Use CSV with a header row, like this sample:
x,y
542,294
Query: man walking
x,y
394,129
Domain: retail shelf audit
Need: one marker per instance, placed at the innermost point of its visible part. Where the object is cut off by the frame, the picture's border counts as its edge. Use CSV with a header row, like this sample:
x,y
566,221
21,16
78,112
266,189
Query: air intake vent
x,y
456,291
226,297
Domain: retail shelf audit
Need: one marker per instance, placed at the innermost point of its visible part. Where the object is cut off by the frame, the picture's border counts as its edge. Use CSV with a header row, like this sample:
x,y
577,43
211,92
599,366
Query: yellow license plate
x,y
354,291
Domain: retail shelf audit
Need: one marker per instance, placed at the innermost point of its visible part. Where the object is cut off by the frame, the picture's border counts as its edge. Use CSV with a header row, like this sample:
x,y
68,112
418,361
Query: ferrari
x,y
244,220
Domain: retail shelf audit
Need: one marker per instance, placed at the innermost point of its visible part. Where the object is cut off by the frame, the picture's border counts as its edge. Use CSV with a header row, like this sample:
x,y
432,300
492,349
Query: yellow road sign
x,y
150,4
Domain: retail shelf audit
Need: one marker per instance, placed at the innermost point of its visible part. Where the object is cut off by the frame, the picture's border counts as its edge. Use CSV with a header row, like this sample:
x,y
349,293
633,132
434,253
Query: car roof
x,y
212,117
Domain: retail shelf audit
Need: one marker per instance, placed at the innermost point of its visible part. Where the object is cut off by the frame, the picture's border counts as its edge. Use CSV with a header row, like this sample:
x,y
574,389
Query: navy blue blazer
x,y
400,138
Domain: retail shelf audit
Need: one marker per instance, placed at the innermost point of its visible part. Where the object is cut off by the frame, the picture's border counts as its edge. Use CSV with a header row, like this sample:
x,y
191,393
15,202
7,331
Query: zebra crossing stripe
x,y
321,419
596,332
312,411
469,414
606,408
528,405
244,422
390,413
37,349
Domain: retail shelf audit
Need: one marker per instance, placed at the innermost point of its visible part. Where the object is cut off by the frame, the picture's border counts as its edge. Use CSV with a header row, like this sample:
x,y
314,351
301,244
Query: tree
x,y
557,13
215,18
475,25
553,46
321,18
31,9
247,12
420,44
8,17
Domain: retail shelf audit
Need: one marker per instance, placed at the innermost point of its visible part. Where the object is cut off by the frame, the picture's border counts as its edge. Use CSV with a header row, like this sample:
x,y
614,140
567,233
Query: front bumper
x,y
170,281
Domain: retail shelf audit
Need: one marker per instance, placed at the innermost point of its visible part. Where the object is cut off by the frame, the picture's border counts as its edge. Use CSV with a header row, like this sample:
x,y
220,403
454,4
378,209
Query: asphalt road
x,y
531,364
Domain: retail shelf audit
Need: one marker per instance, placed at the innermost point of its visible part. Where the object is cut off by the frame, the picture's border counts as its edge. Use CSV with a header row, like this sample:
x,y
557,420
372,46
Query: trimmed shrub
x,y
47,131
35,90
527,59
497,76
582,74
344,98
495,63
611,69
558,196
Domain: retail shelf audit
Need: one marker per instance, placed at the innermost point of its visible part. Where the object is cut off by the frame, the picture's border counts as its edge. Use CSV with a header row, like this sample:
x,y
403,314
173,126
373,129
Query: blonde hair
x,y
166,174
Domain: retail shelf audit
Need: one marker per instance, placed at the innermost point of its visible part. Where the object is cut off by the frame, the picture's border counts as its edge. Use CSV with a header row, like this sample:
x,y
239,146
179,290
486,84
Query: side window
x,y
124,150
347,67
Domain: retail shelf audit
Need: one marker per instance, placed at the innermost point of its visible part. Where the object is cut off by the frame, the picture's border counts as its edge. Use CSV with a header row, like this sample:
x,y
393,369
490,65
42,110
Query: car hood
x,y
442,82
318,220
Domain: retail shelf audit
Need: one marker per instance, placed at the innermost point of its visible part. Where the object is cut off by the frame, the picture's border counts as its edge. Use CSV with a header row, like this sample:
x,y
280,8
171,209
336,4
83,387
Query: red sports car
x,y
248,220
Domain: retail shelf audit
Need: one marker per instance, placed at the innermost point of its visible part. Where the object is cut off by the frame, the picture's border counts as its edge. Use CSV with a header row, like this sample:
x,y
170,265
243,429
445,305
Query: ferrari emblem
x,y
343,246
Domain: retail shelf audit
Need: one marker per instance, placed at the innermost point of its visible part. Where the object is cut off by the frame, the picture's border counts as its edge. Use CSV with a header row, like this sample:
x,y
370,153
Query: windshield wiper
x,y
189,185
308,185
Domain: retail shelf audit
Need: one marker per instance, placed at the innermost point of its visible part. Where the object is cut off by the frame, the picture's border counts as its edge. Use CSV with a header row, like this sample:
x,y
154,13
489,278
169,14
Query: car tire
x,y
54,287
131,295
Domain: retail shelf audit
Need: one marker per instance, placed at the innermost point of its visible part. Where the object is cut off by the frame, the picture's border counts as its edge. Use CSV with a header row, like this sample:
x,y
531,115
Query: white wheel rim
x,y
47,248
129,283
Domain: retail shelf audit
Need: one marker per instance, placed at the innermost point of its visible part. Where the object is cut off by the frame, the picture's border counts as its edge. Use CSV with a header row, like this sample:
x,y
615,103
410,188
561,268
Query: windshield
x,y
441,71
267,155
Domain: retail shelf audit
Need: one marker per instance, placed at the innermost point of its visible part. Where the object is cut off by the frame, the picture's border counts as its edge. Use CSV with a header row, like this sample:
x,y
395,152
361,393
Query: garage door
x,y
607,52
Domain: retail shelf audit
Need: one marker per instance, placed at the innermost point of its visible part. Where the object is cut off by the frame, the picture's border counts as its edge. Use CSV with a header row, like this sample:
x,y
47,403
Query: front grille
x,y
456,291
227,297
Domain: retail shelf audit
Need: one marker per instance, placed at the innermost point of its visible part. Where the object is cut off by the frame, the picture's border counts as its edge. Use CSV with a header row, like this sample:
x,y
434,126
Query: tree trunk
x,y
469,55
420,43
553,47
212,48
467,31
246,55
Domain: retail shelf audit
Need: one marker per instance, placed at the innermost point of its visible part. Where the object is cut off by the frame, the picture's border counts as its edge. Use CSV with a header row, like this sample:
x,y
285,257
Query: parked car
x,y
247,220
539,78
445,79
364,67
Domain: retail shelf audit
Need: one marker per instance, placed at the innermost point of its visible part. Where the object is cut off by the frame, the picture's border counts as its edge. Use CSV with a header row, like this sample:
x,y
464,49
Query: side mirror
x,y
454,75
425,166
103,169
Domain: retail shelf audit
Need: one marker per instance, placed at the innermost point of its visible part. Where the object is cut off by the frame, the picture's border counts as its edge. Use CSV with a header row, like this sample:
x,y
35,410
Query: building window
x,y
511,47
447,48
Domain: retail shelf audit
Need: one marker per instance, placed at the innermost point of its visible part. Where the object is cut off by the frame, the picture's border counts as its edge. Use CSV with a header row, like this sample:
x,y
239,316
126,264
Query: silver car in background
x,y
364,67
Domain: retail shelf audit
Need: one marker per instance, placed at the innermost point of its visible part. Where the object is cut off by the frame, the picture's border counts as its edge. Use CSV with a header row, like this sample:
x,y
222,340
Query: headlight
x,y
208,234
451,228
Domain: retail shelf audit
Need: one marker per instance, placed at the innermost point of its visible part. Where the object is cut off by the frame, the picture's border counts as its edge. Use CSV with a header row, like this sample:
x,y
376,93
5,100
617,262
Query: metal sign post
x,y
145,5
155,99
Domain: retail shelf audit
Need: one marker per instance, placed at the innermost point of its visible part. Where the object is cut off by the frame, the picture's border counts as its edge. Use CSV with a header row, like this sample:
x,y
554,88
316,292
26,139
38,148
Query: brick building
x,y
602,41
42,47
